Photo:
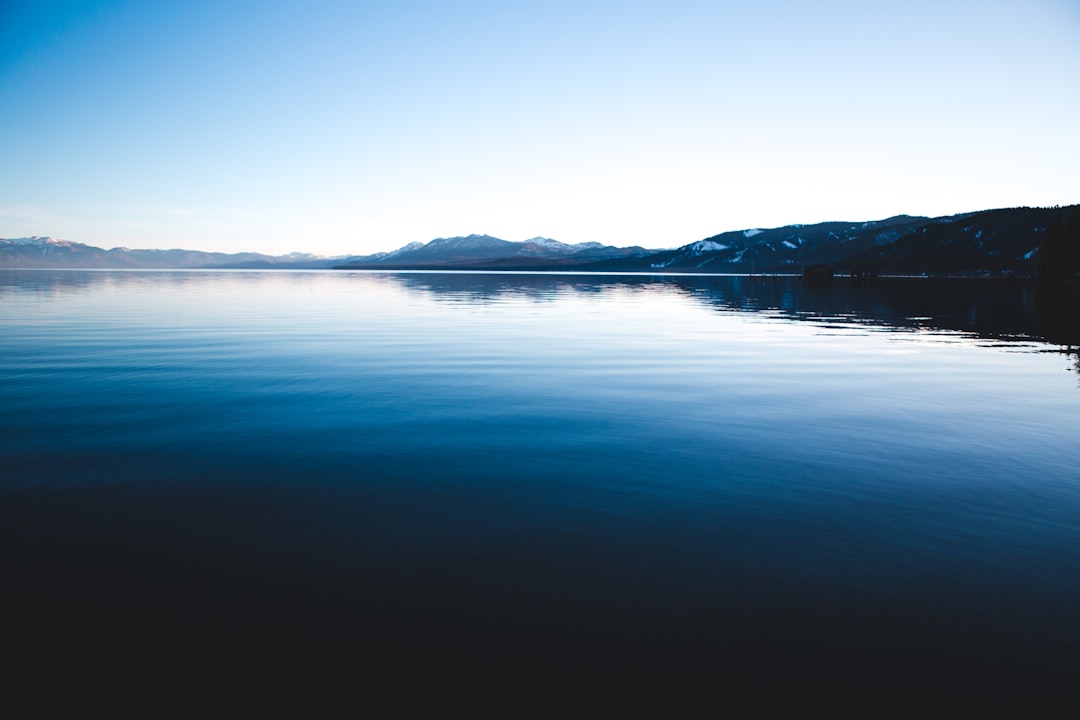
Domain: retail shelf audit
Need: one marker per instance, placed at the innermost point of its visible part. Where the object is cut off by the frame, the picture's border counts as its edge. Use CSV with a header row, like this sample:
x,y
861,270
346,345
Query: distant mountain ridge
x,y
485,251
989,242
47,252
788,248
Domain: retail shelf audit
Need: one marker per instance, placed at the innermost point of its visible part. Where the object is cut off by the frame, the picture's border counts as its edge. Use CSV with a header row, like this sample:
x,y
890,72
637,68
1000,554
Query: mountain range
x,y
989,242
477,251
48,252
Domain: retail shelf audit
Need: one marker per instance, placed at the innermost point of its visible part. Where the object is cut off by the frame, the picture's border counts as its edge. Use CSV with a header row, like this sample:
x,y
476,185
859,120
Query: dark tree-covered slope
x,y
1006,241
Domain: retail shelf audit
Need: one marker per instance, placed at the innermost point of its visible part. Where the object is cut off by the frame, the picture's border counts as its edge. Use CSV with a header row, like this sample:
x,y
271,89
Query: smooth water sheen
x,y
715,481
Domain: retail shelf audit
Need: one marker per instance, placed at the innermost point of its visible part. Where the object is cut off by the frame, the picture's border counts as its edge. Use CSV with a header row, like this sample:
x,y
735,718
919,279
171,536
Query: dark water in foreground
x,y
703,483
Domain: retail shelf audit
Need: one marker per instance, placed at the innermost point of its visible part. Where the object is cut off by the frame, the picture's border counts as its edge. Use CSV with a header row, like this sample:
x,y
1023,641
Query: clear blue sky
x,y
351,127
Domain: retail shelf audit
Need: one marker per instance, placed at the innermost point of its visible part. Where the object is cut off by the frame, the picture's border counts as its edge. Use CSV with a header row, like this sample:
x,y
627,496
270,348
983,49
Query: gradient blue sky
x,y
351,127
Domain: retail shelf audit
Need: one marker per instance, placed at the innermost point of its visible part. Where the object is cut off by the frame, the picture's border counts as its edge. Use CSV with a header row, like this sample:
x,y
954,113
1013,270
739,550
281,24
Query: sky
x,y
353,127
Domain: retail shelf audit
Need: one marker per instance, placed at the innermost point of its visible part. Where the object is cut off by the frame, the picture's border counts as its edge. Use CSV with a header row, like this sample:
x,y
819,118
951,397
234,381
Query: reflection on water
x,y
1010,310
621,481
992,309
1059,318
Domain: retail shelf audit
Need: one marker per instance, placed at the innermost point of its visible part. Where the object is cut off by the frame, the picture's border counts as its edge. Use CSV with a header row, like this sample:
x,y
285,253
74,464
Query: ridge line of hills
x,y
1020,241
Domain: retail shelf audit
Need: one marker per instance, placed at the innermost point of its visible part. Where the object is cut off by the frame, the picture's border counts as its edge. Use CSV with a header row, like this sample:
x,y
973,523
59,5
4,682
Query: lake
x,y
728,484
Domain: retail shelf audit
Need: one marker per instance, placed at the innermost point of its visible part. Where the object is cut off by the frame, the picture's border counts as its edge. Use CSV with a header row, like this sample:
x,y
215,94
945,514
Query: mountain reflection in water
x,y
991,309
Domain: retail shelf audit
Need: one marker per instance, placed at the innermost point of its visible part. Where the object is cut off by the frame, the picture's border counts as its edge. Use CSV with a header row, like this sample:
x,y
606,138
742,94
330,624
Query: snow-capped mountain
x,y
40,251
479,251
36,241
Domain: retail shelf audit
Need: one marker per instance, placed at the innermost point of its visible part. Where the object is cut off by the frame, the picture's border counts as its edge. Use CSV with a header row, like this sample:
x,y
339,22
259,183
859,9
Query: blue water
x,y
701,482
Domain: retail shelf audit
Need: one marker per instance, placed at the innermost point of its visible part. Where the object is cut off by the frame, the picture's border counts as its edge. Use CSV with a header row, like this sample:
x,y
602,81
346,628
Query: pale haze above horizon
x,y
355,127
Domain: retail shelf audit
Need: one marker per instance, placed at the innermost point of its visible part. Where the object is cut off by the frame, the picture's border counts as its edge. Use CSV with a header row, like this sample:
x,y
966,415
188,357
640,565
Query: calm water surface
x,y
712,481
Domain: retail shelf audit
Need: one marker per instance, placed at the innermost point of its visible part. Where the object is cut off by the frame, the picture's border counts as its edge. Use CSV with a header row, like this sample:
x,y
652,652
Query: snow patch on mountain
x,y
752,233
407,248
547,242
38,241
703,246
